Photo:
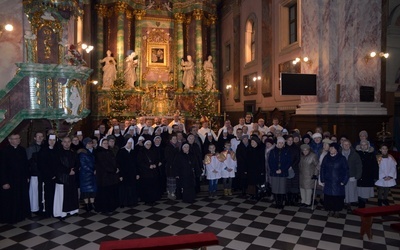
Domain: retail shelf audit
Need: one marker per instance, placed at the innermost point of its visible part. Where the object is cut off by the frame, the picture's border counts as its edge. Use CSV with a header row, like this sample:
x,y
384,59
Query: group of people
x,y
140,160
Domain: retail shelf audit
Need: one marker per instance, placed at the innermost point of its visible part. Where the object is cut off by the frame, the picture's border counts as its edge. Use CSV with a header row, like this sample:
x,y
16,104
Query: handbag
x,y
291,173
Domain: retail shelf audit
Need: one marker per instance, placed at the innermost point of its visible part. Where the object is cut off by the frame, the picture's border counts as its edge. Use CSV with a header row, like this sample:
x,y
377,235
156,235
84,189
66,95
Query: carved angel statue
x,y
168,6
47,16
150,5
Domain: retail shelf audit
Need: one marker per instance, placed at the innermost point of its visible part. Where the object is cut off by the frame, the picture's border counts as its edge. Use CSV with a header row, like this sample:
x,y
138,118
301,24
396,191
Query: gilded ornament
x,y
139,14
212,18
179,17
198,14
120,7
129,14
101,10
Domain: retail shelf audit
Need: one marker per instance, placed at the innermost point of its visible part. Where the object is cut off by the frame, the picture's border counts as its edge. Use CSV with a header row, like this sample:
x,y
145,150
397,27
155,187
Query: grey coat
x,y
308,167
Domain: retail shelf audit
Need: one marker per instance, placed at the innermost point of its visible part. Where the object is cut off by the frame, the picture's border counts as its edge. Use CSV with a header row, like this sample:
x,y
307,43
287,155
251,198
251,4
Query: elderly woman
x,y
355,171
148,163
87,176
279,162
370,172
107,179
308,169
334,175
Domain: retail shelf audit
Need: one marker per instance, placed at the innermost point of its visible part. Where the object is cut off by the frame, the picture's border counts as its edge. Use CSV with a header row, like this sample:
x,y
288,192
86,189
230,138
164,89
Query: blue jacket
x,y
87,179
279,159
334,174
316,148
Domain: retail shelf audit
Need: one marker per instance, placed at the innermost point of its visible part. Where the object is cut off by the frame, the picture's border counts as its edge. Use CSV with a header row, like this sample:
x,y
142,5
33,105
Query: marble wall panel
x,y
11,43
338,35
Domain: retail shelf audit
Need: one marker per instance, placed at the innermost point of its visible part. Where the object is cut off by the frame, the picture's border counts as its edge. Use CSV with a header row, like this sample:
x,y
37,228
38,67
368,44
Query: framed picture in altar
x,y
157,55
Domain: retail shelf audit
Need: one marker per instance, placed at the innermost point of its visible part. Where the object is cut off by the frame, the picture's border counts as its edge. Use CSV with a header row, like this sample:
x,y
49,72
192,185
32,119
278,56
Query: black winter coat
x,y
256,165
106,167
370,169
334,174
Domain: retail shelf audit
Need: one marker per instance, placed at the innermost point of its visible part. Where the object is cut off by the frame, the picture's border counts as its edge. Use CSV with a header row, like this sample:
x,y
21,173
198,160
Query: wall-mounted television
x,y
298,84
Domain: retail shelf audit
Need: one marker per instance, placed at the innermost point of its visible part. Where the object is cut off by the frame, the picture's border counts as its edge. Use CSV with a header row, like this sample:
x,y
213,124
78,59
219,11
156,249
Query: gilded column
x,y
101,14
120,8
179,19
213,40
129,16
198,16
138,43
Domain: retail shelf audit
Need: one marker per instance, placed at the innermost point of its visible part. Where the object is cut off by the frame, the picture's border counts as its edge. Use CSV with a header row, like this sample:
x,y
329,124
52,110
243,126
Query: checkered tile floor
x,y
238,223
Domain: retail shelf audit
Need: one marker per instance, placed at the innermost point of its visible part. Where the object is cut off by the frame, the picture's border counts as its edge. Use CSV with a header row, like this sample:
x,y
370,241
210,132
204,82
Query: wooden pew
x,y
188,241
368,213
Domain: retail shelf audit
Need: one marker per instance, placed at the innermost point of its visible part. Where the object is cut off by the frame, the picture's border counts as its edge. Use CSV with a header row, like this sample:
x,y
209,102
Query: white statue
x,y
188,72
47,16
75,100
109,70
29,39
130,70
209,73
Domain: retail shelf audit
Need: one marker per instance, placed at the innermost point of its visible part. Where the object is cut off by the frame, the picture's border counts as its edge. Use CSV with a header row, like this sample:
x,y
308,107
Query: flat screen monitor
x,y
298,84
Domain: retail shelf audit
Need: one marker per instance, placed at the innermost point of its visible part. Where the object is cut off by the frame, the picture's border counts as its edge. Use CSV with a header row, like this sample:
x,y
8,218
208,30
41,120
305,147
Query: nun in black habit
x,y
148,163
187,171
107,179
128,172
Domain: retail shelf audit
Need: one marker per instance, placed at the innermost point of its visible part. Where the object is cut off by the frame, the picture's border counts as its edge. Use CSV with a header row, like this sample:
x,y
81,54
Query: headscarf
x,y
133,145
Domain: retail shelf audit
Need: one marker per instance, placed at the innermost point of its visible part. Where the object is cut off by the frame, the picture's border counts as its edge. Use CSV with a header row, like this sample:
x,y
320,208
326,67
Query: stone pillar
x,y
198,16
120,8
213,40
138,44
101,10
179,19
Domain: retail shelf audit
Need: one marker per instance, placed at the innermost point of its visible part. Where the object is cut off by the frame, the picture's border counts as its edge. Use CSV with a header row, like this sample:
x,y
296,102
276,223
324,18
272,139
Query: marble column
x,y
101,10
138,44
120,8
179,19
198,16
213,40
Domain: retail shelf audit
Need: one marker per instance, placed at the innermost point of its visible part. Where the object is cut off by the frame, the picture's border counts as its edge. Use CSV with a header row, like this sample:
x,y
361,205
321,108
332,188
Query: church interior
x,y
71,65
220,59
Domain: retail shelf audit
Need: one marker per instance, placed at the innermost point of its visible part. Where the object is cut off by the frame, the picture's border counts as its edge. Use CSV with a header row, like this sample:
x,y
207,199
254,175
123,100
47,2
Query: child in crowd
x,y
387,175
213,162
228,168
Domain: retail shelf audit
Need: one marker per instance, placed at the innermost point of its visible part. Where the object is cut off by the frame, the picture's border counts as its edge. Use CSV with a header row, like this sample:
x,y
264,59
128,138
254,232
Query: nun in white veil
x,y
126,162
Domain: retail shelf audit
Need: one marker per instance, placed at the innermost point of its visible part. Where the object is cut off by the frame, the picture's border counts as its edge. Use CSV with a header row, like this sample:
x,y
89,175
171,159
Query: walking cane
x,y
313,198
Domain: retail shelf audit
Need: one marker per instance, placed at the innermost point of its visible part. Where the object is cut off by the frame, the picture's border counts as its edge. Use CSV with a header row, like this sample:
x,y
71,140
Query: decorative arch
x,y
250,43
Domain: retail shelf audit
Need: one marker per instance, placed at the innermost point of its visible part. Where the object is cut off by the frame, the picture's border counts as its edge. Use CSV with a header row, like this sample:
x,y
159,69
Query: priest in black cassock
x,y
14,182
66,194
